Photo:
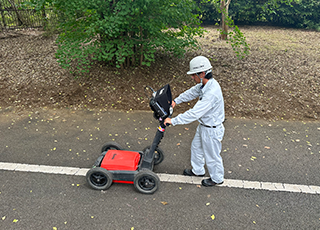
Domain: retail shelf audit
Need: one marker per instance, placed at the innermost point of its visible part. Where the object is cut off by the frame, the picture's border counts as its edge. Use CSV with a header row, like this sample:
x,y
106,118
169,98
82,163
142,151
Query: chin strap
x,y
199,77
207,72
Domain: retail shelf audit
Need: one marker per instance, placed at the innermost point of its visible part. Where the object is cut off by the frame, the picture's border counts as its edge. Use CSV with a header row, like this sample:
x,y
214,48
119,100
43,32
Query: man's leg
x,y
211,144
197,156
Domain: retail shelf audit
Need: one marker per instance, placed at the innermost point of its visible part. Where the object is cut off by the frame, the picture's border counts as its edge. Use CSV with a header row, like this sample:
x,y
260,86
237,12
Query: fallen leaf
x,y
15,221
4,217
213,217
164,203
266,147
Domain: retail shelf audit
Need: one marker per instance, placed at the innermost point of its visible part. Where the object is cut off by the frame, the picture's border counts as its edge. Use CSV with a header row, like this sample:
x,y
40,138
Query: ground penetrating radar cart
x,y
116,165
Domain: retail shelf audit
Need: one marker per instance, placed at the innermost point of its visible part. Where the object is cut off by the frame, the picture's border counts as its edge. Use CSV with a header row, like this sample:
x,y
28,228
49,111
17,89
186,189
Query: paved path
x,y
271,174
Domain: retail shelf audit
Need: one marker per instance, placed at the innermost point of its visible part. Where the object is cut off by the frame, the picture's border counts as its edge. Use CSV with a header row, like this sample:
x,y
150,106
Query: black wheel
x,y
146,181
99,178
111,145
158,156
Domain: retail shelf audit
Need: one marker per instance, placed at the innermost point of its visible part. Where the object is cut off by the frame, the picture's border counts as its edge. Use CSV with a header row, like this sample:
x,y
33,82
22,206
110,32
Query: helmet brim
x,y
191,72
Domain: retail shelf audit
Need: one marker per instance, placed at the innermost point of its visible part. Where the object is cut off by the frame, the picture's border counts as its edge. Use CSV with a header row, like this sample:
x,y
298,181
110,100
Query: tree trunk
x,y
141,47
133,60
44,18
141,55
17,13
2,16
224,13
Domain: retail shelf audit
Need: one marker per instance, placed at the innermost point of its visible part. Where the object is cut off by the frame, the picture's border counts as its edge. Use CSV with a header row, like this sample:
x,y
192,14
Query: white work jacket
x,y
209,110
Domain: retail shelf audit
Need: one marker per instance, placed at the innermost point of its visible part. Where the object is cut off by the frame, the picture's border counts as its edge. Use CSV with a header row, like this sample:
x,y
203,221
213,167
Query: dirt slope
x,y
280,79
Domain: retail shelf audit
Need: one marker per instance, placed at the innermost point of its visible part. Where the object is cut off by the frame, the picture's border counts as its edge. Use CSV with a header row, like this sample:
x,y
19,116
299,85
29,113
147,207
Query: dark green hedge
x,y
301,13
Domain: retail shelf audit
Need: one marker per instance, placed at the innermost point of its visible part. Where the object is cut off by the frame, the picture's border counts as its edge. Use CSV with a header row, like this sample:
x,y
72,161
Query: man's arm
x,y
188,95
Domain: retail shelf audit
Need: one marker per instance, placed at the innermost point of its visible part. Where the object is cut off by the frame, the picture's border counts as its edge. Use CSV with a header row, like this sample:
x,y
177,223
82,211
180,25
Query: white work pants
x,y
206,148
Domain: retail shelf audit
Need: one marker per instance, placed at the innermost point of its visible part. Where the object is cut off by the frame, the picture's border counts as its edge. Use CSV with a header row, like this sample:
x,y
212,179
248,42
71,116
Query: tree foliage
x,y
301,13
123,32
293,13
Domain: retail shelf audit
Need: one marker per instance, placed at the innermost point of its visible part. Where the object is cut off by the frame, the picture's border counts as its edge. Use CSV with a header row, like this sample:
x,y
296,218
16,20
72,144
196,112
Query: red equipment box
x,y
121,160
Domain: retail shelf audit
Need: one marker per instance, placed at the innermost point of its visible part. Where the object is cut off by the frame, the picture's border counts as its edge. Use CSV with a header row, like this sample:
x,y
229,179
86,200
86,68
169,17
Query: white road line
x,y
310,189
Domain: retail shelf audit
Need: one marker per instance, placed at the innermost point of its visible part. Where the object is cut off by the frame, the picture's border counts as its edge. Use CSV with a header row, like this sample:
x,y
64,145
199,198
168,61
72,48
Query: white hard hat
x,y
199,64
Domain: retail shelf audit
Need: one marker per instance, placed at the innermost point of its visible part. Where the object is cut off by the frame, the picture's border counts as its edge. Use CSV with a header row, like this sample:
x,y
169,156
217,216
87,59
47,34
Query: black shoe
x,y
188,172
209,182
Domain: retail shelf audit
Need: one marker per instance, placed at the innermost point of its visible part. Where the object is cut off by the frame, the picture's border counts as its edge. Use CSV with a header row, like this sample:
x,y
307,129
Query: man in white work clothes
x,y
209,112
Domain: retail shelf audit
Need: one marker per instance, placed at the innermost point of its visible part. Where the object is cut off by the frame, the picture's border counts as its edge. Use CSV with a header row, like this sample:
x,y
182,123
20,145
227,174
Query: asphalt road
x,y
253,150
